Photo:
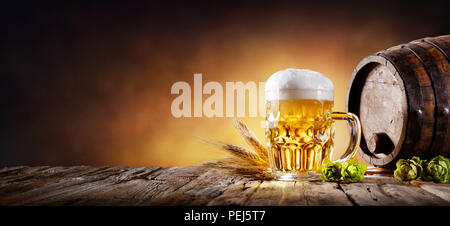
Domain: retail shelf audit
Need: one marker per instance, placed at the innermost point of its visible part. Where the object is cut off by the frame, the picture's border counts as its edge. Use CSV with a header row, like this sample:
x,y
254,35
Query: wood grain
x,y
198,186
401,96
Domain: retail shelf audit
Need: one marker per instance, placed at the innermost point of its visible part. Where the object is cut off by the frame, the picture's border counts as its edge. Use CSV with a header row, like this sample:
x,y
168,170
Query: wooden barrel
x,y
401,97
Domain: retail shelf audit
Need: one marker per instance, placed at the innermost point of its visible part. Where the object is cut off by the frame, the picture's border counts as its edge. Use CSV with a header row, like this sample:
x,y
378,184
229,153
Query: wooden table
x,y
87,185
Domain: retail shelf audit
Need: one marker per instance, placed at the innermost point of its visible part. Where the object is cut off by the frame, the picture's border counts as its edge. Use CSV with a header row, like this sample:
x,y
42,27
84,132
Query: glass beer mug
x,y
300,123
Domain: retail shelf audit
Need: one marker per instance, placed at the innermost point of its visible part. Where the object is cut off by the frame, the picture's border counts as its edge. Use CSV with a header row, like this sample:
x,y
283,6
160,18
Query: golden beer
x,y
300,123
301,136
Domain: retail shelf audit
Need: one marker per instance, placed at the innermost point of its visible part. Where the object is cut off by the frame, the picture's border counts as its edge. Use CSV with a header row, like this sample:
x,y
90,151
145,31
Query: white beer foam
x,y
299,84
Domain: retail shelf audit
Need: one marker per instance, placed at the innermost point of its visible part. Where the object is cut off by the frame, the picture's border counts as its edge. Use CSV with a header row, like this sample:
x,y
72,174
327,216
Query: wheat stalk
x,y
249,137
253,162
239,166
236,150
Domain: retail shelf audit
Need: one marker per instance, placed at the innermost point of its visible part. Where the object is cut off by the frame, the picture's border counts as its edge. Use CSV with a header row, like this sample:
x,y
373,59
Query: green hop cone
x,y
408,169
353,172
330,171
437,169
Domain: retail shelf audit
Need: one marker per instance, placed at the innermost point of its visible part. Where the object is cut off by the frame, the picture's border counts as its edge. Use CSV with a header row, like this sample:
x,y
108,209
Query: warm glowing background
x,y
90,83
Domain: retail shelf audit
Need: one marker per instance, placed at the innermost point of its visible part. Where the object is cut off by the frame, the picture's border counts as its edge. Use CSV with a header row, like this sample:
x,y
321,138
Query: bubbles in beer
x,y
322,130
302,136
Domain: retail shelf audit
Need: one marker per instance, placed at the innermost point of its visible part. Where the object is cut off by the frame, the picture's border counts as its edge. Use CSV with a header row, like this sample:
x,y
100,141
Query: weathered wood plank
x,y
71,195
288,193
368,194
326,194
54,193
85,185
6,169
170,180
236,194
412,195
22,174
392,192
198,191
138,191
442,191
38,178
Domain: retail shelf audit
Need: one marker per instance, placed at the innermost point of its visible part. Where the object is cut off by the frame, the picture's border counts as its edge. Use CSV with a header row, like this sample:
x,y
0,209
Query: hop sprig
x,y
408,169
353,172
330,171
437,169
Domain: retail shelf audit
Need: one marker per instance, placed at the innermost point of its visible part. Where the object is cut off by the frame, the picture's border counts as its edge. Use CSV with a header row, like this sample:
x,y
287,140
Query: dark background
x,y
88,82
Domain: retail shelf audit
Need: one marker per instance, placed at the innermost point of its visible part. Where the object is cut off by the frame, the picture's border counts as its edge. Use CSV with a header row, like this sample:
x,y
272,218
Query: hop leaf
x,y
353,172
437,169
408,169
330,171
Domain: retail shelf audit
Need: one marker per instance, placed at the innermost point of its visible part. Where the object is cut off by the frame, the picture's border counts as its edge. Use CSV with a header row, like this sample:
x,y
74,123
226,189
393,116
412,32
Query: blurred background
x,y
89,82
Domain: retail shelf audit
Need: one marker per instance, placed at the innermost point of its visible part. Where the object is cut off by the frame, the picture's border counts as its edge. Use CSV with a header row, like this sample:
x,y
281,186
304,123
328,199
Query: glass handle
x,y
355,134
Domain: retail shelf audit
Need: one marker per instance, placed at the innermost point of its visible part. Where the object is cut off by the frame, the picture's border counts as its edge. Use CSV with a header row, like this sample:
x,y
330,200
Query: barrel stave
x,y
423,68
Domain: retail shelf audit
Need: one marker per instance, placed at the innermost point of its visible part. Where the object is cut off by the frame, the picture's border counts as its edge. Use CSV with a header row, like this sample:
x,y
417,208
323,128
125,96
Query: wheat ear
x,y
240,166
249,137
236,150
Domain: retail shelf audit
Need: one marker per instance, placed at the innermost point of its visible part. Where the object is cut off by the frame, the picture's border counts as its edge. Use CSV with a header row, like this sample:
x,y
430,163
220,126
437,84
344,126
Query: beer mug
x,y
300,123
